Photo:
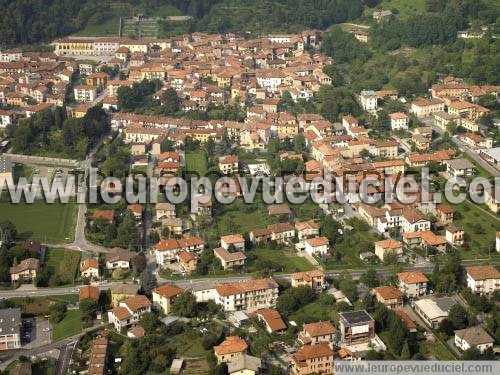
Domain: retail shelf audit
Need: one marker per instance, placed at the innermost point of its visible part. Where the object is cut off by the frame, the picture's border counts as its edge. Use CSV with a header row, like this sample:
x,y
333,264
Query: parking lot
x,y
36,332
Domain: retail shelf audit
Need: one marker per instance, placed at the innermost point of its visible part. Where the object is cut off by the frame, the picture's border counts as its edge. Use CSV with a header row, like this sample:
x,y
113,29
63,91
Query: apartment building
x,y
313,359
412,284
164,295
318,332
247,295
85,94
483,279
356,327
10,329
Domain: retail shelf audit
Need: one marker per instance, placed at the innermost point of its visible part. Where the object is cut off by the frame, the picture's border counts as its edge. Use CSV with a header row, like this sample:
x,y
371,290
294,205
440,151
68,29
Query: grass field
x,y
196,161
240,221
48,223
71,325
64,262
287,258
406,8
436,350
480,226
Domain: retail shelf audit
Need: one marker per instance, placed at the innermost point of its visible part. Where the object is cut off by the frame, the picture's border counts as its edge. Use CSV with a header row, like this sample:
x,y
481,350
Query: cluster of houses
x,y
317,343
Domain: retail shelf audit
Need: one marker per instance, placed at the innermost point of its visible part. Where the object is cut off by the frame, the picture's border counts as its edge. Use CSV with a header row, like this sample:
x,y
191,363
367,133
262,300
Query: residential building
x,y
164,295
368,100
389,296
166,250
272,320
247,295
230,349
317,246
89,268
356,327
118,258
229,164
444,214
281,232
234,260
318,332
314,279
426,107
399,121
233,241
85,94
26,271
313,359
483,279
460,168
10,329
389,246
129,312
473,337
413,284
122,291
306,229
425,239
187,261
165,210
454,235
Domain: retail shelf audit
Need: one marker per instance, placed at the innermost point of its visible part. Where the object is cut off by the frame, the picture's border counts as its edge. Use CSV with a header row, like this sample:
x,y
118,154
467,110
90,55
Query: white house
x,y
316,246
368,100
129,311
399,121
84,93
483,279
473,337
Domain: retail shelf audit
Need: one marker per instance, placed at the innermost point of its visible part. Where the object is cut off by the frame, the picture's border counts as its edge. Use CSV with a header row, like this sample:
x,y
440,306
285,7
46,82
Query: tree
x,y
330,228
139,262
299,143
88,308
294,298
127,234
458,316
57,312
8,232
148,282
171,102
370,278
185,305
150,322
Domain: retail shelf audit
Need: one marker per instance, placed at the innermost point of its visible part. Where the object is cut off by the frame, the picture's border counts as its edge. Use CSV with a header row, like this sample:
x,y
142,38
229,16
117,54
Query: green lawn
x,y
196,161
287,258
71,325
64,263
406,8
436,350
236,219
313,312
48,223
190,344
480,225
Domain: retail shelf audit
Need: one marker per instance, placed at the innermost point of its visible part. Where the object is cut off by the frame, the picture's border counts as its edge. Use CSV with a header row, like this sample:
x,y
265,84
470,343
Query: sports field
x,y
47,223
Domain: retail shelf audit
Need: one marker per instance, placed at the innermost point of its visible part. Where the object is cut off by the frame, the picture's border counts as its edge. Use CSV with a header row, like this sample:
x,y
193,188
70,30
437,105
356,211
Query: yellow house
x,y
120,292
230,349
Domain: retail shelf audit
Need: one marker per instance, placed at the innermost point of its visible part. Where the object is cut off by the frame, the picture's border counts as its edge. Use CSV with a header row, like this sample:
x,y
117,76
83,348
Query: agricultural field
x,y
47,223
64,264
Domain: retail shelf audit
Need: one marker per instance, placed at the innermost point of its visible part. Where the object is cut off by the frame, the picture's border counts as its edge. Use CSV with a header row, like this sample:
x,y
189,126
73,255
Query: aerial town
x,y
98,283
